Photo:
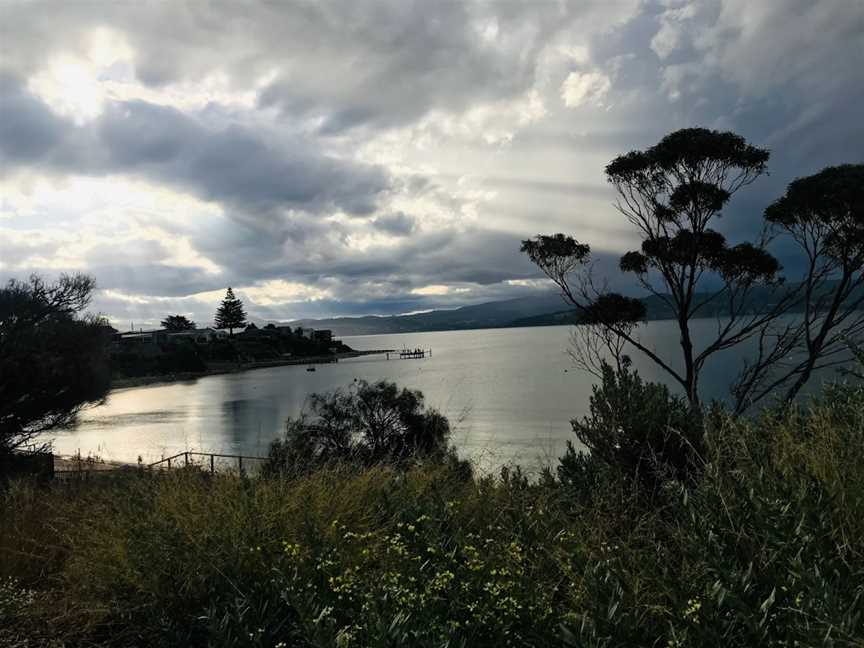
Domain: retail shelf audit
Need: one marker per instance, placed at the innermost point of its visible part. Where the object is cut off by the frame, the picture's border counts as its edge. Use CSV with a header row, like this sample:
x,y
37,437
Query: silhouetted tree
x,y
178,323
230,313
671,193
368,423
53,360
823,215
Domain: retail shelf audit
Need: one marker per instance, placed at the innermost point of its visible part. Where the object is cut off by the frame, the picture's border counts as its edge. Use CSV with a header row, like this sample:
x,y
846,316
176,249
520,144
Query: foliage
x,y
823,215
230,313
857,370
14,599
53,360
368,423
639,428
673,194
179,358
832,199
178,323
766,548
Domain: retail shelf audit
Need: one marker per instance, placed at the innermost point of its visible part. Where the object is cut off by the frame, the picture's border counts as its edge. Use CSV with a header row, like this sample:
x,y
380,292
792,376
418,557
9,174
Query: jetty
x,y
412,354
402,354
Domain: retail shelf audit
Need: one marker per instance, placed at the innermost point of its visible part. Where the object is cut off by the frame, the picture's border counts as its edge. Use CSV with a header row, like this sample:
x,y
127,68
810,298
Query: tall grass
x,y
766,547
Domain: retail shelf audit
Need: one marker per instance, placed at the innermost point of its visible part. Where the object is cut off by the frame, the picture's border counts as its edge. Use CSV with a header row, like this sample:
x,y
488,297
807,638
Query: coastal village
x,y
180,349
165,353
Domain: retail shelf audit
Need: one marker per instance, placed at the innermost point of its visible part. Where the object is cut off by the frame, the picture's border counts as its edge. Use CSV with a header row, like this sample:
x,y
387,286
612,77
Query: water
x,y
509,395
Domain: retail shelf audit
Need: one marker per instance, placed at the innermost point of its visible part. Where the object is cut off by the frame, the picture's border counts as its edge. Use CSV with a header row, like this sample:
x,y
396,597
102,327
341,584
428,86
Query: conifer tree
x,y
230,313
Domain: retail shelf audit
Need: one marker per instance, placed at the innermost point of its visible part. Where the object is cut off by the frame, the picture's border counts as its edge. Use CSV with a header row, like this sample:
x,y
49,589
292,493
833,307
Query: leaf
x,y
769,601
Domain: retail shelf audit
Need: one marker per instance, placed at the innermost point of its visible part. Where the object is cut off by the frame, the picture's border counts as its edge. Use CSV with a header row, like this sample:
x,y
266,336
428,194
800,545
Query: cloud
x,y
398,224
231,165
345,157
579,88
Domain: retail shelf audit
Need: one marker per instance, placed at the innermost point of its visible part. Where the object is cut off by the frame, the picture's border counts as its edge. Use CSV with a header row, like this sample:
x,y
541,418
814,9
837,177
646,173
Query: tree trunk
x,y
691,377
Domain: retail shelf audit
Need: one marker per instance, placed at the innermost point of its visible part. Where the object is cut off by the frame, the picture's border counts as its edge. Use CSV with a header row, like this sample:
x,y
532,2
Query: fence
x,y
211,461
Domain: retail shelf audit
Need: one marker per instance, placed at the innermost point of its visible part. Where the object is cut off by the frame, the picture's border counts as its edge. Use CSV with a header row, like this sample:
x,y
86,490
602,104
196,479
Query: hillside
x,y
548,309
488,315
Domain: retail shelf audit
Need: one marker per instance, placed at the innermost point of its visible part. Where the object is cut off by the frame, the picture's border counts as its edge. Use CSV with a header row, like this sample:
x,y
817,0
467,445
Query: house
x,y
141,342
324,335
198,335
140,338
308,333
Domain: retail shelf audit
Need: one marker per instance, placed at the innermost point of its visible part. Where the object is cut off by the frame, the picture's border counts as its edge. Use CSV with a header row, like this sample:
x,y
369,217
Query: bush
x,y
53,358
636,427
366,424
765,548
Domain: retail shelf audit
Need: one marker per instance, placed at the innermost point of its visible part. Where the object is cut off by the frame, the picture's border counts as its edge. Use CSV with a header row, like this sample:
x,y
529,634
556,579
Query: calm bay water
x,y
509,395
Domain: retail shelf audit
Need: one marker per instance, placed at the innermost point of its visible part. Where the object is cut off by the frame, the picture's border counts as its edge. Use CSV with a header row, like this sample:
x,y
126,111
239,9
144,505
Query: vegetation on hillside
x,y
759,542
366,424
671,524
53,357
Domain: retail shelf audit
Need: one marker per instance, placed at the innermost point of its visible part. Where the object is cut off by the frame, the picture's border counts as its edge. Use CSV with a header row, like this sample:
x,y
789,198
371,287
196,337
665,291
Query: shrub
x,y
366,424
53,358
636,427
765,548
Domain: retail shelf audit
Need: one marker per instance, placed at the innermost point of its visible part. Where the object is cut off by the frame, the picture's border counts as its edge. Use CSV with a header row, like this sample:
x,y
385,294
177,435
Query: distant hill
x,y
548,309
489,315
657,309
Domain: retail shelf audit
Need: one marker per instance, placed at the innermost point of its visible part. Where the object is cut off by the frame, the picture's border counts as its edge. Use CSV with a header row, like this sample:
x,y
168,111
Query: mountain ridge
x,y
548,309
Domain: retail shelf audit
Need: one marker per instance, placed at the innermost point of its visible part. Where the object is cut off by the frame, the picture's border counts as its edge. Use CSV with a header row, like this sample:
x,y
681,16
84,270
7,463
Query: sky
x,y
377,156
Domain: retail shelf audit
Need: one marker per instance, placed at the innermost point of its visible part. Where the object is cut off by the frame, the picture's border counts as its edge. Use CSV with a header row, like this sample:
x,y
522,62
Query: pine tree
x,y
178,323
230,313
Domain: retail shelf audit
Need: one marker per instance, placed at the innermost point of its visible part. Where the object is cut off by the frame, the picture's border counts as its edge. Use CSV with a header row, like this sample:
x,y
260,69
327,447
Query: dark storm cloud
x,y
328,78
375,62
29,131
232,165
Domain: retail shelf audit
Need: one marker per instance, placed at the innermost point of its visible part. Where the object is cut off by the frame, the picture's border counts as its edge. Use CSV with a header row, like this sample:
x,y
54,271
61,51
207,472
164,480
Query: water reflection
x,y
509,393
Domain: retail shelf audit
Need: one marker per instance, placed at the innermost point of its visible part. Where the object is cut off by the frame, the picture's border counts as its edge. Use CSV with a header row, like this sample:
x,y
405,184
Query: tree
x,y
636,427
672,193
823,215
178,323
230,313
53,359
368,423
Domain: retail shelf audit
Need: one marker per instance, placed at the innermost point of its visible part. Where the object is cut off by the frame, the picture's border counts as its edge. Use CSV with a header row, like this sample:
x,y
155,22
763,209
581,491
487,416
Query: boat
x,y
310,368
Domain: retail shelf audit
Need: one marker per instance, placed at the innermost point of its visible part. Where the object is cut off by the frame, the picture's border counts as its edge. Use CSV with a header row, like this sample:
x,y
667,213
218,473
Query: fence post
x,y
169,463
211,465
240,464
186,459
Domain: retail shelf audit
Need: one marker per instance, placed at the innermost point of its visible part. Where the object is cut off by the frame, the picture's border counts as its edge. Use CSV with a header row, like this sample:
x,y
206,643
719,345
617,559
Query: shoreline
x,y
144,381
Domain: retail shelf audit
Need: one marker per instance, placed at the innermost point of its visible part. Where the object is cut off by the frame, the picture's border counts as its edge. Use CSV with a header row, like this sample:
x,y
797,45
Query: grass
x,y
766,547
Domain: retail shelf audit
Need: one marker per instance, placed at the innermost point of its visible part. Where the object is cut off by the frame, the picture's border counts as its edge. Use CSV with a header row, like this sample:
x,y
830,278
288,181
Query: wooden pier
x,y
413,354
402,354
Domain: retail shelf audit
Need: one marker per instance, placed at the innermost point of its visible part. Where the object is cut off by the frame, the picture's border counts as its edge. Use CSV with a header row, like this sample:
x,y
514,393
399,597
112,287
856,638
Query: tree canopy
x,y
673,194
368,423
230,313
53,359
178,323
823,215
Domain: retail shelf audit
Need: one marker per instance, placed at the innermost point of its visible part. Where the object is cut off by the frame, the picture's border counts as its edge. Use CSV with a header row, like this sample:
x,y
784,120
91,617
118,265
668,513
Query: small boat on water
x,y
310,368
